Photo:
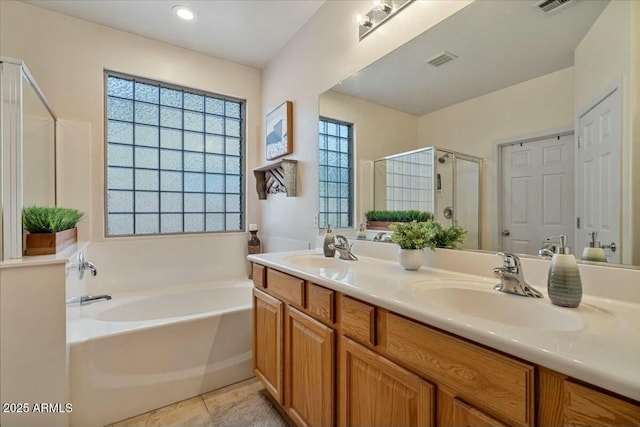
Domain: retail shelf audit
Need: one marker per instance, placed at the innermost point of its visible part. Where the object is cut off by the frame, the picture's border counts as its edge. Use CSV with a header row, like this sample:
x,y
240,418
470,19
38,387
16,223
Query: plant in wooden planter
x,y
50,228
380,220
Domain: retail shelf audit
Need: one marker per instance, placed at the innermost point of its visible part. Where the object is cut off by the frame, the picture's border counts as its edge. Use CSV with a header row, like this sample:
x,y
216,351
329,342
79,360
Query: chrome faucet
x,y
547,250
83,265
88,299
511,277
382,237
343,247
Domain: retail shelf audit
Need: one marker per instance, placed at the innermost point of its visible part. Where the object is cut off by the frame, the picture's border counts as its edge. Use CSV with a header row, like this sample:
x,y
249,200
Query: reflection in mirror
x,y
519,75
439,181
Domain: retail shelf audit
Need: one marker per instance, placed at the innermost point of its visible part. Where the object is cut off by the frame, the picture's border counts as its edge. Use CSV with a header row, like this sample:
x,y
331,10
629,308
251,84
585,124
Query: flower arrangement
x,y
49,219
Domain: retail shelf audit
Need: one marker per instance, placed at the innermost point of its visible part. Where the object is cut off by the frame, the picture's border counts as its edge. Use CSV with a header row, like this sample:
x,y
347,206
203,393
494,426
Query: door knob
x,y
506,233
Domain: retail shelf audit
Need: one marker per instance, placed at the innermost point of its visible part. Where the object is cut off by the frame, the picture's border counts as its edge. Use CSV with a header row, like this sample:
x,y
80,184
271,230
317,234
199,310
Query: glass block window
x,y
336,174
174,159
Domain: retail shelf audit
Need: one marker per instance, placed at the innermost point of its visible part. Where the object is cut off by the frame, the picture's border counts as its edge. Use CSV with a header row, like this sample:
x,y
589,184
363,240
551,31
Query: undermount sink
x,y
512,310
317,261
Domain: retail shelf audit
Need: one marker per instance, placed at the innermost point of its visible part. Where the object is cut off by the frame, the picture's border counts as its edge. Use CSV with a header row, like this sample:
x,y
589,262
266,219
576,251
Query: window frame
x,y
352,195
243,149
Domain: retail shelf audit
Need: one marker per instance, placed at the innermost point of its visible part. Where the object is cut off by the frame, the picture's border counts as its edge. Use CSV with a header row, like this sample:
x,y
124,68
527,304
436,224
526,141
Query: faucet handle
x,y
511,261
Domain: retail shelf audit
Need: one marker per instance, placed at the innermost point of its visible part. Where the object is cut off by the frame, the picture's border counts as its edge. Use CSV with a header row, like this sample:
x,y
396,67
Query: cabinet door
x,y
588,407
267,342
376,392
468,416
309,376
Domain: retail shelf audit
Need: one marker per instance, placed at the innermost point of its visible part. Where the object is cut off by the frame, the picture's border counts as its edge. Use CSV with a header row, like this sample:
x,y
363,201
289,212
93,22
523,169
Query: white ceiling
x,y
499,43
242,31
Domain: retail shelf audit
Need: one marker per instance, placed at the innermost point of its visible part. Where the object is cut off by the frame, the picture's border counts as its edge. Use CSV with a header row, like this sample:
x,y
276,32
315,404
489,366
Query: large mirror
x,y
519,88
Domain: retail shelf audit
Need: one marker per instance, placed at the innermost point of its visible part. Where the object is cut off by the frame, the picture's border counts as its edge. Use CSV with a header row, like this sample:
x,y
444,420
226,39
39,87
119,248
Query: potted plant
x,y
50,228
381,220
444,237
412,237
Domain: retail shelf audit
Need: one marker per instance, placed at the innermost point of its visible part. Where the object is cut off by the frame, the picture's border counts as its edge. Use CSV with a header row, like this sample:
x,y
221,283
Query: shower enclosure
x,y
432,179
27,152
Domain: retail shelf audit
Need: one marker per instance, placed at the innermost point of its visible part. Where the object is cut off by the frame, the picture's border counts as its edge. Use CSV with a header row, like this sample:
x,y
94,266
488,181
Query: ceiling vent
x,y
441,59
548,6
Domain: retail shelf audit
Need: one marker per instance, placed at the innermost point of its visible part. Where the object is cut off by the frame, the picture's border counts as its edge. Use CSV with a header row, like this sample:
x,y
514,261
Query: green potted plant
x,y
412,237
445,237
382,219
50,228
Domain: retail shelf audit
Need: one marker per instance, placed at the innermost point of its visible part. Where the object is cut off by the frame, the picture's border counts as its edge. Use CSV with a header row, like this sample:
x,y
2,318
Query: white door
x,y
536,193
598,175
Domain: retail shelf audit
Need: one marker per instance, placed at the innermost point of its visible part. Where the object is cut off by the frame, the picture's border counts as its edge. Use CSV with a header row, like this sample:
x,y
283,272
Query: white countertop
x,y
604,352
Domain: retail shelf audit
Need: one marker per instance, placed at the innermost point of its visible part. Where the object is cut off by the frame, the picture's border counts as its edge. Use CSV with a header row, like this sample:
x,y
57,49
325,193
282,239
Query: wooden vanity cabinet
x,y
309,373
330,359
267,342
377,392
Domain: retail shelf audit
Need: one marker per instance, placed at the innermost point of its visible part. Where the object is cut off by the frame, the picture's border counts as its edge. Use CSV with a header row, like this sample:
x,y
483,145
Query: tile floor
x,y
243,404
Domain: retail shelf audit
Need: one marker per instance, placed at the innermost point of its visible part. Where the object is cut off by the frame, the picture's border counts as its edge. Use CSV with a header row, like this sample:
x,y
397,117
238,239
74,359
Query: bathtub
x,y
147,349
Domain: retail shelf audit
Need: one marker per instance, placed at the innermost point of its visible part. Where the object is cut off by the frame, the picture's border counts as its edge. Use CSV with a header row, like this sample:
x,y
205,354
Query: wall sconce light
x,y
381,11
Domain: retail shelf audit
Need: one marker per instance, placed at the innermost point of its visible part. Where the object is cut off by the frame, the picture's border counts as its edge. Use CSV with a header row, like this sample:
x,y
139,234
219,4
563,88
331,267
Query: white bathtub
x,y
144,350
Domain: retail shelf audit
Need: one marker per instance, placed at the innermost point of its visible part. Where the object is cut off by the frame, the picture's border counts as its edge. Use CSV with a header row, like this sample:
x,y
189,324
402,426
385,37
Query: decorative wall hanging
x,y
280,131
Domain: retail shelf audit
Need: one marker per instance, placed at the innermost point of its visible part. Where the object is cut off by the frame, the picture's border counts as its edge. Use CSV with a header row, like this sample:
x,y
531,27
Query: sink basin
x,y
512,310
317,261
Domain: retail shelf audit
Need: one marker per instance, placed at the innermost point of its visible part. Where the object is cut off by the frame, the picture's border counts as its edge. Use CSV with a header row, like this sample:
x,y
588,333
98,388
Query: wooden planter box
x,y
379,225
50,243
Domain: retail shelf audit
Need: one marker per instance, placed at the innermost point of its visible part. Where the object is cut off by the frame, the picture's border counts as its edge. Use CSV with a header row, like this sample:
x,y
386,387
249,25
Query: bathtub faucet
x,y
88,299
83,265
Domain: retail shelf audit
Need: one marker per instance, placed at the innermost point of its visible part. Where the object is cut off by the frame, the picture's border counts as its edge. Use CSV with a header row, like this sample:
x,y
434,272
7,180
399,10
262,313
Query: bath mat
x,y
254,410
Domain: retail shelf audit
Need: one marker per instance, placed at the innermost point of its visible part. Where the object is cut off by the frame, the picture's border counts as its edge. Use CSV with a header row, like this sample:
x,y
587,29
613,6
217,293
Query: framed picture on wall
x,y
280,131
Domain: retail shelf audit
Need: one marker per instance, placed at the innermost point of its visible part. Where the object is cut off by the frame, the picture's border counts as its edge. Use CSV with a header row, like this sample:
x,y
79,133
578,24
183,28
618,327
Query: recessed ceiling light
x,y
183,12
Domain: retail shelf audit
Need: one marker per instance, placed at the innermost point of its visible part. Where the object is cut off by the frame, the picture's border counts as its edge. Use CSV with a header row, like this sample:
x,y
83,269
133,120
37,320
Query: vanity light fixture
x,y
183,12
380,12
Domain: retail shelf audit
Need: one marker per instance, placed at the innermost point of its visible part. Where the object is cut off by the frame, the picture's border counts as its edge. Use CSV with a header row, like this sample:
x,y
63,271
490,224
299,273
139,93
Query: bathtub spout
x,y
88,299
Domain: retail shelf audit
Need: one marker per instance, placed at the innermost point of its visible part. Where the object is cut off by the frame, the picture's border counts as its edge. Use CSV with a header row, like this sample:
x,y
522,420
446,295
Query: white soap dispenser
x,y
329,240
593,251
563,283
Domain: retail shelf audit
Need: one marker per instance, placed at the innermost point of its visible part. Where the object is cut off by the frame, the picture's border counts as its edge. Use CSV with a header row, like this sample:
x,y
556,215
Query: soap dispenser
x,y
362,234
593,251
563,283
329,240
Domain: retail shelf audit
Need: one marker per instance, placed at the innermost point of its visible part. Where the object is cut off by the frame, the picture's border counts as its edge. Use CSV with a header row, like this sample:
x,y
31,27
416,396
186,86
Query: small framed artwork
x,y
280,131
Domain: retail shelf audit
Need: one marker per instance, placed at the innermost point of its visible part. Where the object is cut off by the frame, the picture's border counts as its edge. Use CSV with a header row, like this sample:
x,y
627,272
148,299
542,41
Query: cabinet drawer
x,y
486,379
288,288
320,303
587,407
358,321
259,275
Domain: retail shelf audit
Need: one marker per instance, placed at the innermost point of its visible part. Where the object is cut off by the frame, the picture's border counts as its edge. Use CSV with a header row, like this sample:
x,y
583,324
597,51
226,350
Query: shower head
x,y
442,159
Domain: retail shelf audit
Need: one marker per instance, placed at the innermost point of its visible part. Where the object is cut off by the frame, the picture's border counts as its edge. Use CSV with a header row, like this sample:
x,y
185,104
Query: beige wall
x,y
67,57
325,51
378,131
476,126
606,57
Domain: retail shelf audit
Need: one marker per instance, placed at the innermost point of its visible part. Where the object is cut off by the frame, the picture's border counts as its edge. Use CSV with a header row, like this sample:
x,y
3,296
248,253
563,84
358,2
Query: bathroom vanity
x,y
364,343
